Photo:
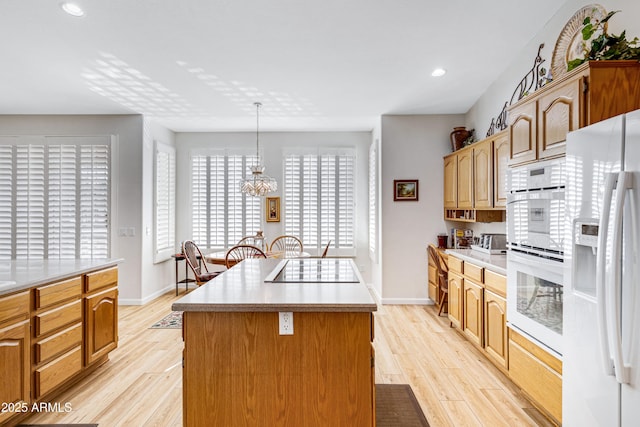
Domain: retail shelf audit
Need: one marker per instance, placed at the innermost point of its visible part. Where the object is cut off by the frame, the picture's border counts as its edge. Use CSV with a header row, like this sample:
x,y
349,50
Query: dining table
x,y
219,257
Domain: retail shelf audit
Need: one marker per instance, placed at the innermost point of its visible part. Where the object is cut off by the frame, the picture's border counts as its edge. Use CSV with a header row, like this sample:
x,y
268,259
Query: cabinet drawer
x,y
56,344
101,279
456,264
53,319
474,272
495,282
14,306
49,295
57,371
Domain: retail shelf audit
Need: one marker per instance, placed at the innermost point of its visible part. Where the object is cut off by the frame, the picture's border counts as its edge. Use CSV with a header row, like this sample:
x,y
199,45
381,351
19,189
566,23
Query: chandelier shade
x,y
258,184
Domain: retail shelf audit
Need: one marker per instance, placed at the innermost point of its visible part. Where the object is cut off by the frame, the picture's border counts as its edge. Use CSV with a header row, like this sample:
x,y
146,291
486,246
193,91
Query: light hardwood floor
x,y
456,385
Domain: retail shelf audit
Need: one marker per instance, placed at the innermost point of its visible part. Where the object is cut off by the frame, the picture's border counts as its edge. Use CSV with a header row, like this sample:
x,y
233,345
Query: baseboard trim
x,y
406,301
148,298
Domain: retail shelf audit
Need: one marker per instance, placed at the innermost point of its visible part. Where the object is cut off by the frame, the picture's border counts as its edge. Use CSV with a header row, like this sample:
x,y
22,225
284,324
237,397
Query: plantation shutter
x,y
221,214
165,202
319,199
373,234
55,194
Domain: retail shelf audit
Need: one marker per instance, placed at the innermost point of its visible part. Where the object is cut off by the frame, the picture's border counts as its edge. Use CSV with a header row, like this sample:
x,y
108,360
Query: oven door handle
x,y
603,231
526,196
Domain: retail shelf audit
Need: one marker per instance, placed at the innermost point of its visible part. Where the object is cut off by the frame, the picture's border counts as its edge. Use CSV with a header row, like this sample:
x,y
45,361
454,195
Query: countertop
x,y
17,275
242,288
495,263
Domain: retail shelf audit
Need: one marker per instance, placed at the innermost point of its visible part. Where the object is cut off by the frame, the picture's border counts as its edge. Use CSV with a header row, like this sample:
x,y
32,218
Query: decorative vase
x,y
458,136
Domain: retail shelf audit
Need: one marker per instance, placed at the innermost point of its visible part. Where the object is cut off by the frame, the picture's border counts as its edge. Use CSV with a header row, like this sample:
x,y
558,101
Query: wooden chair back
x,y
286,244
326,249
241,252
194,258
442,271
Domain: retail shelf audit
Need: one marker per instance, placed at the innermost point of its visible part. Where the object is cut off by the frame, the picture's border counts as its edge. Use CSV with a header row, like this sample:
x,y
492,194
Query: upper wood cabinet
x,y
500,164
451,181
597,90
465,179
483,174
474,180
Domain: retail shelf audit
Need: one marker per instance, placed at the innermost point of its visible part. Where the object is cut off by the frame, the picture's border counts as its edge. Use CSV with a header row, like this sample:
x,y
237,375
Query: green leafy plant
x,y
604,46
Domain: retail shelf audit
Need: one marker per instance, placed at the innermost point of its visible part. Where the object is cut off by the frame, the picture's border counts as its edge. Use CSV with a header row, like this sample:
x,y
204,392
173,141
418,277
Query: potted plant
x,y
604,46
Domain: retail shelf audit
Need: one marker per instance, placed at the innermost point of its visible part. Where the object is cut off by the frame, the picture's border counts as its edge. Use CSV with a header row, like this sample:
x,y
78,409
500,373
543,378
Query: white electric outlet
x,y
286,322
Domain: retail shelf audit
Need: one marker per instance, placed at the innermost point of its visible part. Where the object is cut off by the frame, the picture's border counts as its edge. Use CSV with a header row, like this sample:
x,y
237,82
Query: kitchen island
x,y
243,365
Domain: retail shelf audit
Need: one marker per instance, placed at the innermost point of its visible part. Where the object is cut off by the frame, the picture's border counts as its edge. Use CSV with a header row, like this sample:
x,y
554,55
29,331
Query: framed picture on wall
x,y
273,209
405,190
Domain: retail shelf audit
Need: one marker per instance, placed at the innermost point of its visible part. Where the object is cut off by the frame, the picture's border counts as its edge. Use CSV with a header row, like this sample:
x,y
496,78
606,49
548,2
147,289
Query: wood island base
x,y
239,371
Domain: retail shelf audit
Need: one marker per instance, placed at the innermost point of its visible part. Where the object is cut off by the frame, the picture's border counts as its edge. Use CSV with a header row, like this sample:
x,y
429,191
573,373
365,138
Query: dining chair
x,y
195,260
257,241
326,249
442,270
241,252
289,245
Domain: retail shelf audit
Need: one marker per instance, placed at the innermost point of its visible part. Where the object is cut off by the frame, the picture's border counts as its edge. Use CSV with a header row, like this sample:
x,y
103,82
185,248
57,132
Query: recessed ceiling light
x,y
72,9
438,72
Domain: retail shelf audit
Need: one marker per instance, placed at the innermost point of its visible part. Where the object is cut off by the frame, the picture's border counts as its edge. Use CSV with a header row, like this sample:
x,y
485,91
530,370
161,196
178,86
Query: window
x,y
165,202
221,214
319,199
55,197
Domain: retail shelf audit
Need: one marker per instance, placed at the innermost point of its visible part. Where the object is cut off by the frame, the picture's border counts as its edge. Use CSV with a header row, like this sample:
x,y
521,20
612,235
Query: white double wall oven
x,y
535,233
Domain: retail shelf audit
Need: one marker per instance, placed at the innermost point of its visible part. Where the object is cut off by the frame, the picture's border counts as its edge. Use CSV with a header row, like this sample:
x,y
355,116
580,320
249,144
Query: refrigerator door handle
x,y
614,296
603,232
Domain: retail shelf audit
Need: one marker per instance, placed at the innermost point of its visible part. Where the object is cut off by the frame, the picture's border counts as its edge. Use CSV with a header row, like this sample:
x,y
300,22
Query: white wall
x,y
412,147
376,259
272,145
156,278
127,179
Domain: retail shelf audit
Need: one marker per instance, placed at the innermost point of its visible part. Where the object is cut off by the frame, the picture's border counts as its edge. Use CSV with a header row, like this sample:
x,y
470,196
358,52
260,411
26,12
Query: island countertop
x,y
242,288
17,275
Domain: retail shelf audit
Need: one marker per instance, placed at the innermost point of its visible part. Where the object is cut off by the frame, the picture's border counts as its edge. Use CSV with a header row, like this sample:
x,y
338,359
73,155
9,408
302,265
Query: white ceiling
x,y
199,65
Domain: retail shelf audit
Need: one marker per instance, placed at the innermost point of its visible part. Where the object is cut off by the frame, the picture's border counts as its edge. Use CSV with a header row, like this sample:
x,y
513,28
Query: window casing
x,y
319,199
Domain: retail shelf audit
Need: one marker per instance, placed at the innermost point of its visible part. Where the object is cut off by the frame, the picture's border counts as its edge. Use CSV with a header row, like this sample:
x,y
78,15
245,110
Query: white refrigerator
x,y
601,357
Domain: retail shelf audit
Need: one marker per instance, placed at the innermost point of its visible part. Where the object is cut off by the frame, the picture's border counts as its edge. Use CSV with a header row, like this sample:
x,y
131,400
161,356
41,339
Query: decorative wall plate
x,y
569,44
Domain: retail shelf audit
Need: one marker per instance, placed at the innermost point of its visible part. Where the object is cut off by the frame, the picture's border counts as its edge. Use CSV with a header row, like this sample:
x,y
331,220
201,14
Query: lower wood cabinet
x,y
101,319
473,303
101,313
456,283
495,327
53,333
479,308
15,366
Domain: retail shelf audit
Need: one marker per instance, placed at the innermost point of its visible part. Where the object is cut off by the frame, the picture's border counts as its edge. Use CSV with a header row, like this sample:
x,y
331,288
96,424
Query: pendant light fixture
x,y
258,184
